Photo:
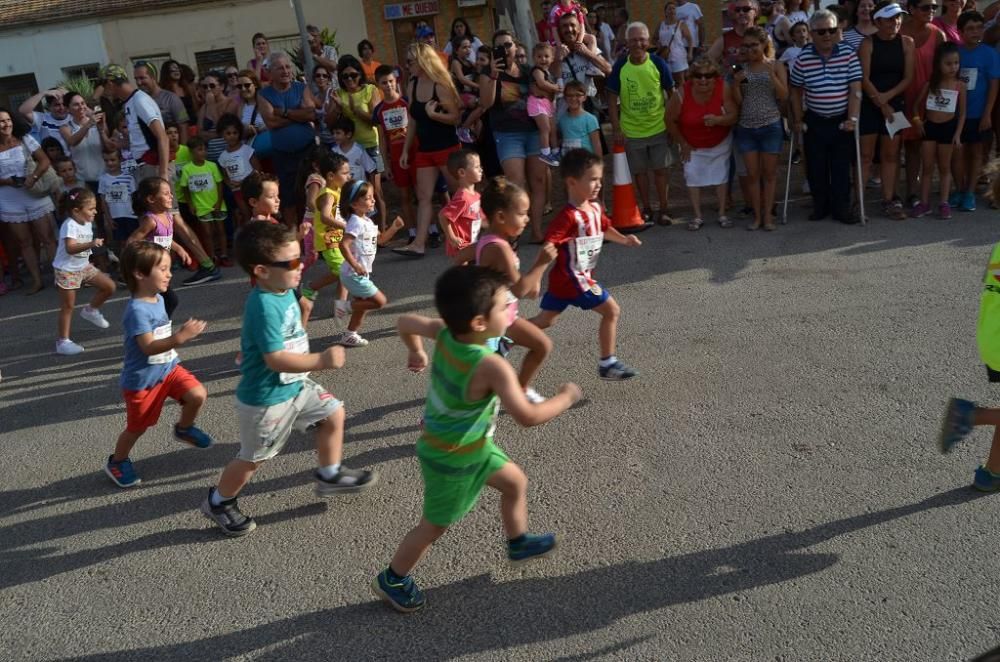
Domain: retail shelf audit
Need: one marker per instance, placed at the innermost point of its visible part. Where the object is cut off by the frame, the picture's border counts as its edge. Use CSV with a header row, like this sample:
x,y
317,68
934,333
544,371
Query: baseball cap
x,y
112,72
424,31
889,11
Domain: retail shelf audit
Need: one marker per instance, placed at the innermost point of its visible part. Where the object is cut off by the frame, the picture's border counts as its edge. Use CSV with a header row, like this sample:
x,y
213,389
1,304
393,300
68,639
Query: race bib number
x,y
572,144
200,183
159,333
299,345
969,75
944,102
118,193
477,225
369,245
166,241
588,250
395,119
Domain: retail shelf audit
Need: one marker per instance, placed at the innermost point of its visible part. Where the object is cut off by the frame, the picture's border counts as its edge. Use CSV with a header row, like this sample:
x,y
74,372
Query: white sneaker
x,y
94,316
351,339
67,347
534,397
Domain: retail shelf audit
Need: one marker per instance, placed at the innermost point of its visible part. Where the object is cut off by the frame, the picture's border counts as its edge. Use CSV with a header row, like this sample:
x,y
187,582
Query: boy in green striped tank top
x,y
456,450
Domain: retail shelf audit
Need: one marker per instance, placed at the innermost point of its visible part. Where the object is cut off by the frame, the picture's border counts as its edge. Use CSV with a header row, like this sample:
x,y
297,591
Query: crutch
x,y
860,182
788,177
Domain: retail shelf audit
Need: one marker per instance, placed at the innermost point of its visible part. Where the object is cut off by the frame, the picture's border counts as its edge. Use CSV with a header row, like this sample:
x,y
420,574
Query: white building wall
x,y
47,50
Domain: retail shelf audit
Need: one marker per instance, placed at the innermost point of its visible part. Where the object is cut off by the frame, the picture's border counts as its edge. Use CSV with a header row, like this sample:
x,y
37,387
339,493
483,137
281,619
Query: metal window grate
x,y
216,60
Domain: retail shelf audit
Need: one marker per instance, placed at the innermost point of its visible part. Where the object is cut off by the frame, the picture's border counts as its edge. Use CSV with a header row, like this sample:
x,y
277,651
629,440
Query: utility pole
x,y
307,56
522,22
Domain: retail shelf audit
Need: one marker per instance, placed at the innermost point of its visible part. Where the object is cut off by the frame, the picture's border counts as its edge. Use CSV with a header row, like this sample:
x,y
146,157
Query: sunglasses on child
x,y
291,265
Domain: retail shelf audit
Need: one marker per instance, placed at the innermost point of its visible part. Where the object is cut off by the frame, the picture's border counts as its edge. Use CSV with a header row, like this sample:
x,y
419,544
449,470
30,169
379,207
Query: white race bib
x,y
166,241
200,183
298,345
476,227
970,75
588,250
159,333
945,102
572,144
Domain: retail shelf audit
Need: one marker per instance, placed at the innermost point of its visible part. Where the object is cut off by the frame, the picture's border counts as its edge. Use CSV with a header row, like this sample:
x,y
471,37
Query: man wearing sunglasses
x,y
827,78
726,50
170,105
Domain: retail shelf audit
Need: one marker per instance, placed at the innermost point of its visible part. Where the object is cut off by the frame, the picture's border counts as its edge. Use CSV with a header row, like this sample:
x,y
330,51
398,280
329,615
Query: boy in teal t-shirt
x,y
201,182
275,393
579,129
961,416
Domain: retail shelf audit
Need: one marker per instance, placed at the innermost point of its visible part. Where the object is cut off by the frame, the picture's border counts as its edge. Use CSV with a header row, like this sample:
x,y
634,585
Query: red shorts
x,y
400,177
142,408
438,159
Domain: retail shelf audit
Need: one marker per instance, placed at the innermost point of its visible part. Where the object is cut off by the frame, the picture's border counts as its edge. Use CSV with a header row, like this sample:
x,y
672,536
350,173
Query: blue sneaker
x,y
616,372
968,201
986,480
192,436
531,547
121,473
958,422
403,596
955,199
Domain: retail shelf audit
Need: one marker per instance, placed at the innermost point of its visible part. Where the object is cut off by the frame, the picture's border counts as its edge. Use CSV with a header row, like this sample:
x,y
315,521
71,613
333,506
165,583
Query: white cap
x,y
890,11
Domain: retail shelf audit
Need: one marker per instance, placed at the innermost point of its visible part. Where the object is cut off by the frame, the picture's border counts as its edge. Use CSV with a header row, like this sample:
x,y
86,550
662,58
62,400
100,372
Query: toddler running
x,y
328,229
461,218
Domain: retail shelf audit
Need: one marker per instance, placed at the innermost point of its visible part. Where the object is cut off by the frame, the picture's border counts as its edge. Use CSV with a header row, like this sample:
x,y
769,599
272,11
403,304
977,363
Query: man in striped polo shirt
x,y
826,81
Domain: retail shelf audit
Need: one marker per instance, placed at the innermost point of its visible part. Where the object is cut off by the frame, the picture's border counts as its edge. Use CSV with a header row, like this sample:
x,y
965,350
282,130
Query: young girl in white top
x,y
236,161
361,239
73,268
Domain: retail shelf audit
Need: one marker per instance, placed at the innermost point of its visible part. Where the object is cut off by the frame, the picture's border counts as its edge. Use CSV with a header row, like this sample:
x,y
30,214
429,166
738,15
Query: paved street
x,y
769,488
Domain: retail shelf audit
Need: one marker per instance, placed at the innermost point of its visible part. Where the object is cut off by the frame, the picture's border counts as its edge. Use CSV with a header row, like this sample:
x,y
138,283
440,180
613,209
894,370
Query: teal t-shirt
x,y
271,323
203,182
576,130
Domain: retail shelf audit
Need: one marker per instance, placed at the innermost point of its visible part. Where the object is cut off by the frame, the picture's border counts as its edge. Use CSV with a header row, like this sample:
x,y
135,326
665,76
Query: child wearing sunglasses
x,y
275,393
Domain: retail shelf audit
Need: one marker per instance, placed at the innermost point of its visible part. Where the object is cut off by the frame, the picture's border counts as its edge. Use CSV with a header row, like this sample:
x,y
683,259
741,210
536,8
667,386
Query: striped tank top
x,y
458,433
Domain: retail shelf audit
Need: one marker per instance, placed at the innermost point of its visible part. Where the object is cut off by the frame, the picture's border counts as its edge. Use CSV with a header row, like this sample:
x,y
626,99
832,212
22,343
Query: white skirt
x,y
709,166
19,206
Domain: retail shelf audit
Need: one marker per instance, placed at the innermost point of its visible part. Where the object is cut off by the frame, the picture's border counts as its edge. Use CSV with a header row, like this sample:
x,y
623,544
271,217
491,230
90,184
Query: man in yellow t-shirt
x,y
642,82
961,416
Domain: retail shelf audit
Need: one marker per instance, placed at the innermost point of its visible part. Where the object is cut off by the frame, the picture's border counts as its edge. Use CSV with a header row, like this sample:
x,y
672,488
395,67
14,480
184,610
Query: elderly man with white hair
x,y
641,83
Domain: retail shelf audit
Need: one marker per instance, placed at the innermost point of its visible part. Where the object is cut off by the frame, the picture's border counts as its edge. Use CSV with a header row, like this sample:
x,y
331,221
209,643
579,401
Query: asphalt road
x,y
768,489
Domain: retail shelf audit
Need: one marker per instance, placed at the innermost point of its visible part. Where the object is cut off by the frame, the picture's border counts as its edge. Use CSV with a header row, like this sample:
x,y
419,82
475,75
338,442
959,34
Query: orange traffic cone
x,y
625,216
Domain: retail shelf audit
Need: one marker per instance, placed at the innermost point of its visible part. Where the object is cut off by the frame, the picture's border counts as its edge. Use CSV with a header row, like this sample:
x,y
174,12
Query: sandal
x,y
664,219
770,226
695,224
753,226
724,222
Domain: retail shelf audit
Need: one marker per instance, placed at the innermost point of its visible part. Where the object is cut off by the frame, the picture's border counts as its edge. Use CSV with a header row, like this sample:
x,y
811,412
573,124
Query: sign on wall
x,y
411,9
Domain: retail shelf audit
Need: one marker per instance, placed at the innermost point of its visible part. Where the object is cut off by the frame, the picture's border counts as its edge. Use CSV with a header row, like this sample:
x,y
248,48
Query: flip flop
x,y
407,252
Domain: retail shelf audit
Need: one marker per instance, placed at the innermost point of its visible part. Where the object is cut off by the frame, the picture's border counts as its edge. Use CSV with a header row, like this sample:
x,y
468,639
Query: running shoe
x,y
796,156
465,135
67,347
725,222
986,480
203,275
346,480
944,211
402,595
351,339
955,199
121,473
920,210
616,372
225,262
968,201
549,160
94,316
533,396
958,422
192,436
531,547
228,516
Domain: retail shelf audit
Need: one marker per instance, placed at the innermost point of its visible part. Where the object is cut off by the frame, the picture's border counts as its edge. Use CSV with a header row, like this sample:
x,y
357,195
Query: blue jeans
x,y
765,140
516,145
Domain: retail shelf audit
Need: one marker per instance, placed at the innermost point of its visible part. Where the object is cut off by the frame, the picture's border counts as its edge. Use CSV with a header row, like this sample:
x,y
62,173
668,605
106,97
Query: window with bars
x,y
216,60
15,90
87,71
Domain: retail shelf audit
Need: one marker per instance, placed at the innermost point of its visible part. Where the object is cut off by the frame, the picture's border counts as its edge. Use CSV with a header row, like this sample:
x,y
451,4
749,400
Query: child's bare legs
x,y
191,241
539,346
360,308
406,200
104,288
383,214
235,477
67,299
973,166
944,170
330,439
191,404
219,237
324,280
207,236
126,441
608,331
544,131
512,484
928,154
306,308
986,416
414,545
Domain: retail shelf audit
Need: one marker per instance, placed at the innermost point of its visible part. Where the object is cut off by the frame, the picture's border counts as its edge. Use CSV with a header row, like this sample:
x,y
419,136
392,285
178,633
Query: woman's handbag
x,y
47,183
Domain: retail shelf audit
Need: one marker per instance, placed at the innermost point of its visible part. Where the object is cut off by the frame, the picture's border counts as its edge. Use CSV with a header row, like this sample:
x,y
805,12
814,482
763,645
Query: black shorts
x,y
942,133
992,375
872,121
971,134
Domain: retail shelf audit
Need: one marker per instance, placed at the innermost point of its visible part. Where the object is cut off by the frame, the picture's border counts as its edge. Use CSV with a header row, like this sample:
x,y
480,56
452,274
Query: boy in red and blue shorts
x,y
391,118
578,232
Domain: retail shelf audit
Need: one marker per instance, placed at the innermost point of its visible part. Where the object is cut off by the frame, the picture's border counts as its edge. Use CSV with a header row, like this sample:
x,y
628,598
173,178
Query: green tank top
x,y
988,328
327,238
458,433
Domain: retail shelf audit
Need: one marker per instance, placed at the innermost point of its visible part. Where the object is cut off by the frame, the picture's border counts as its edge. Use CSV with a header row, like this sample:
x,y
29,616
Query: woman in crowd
x,y
232,76
28,216
460,29
84,134
699,117
760,88
504,92
948,20
214,107
254,128
325,104
863,24
887,62
260,63
366,50
435,111
173,80
675,42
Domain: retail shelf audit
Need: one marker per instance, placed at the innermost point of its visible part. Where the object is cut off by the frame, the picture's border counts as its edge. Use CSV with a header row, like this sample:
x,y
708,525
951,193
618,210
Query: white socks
x,y
329,471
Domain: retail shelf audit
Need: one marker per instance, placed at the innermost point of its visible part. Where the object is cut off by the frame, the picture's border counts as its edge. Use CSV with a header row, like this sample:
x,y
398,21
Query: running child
x,y
579,129
275,393
153,202
236,162
939,116
961,416
391,117
456,450
506,208
312,181
201,180
362,165
541,102
73,268
116,188
151,371
328,227
461,219
578,232
361,240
